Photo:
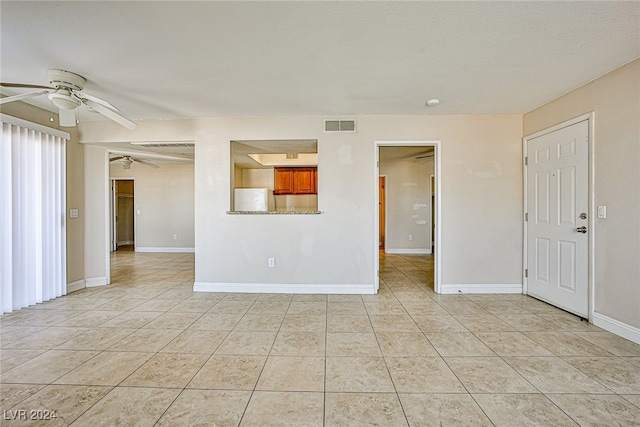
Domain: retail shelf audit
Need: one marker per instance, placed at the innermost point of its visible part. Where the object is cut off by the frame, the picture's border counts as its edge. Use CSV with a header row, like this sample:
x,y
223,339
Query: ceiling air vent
x,y
165,144
339,125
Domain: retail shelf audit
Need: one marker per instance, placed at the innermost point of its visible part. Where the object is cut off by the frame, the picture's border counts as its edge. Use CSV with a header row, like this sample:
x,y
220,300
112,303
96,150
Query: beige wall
x,y
615,100
164,198
481,199
256,178
96,217
75,184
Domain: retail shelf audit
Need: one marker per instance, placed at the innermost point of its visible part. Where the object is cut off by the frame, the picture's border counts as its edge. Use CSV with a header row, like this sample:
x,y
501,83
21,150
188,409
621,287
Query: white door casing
x,y
557,205
113,212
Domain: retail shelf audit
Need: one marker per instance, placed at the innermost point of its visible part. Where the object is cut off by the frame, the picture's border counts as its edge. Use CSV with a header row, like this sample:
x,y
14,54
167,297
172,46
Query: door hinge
x,y
377,164
526,272
526,161
526,216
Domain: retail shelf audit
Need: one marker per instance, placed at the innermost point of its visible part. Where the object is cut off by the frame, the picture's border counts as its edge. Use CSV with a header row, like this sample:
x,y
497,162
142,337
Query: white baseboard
x,y
481,288
76,286
125,242
617,327
272,288
95,281
425,251
168,249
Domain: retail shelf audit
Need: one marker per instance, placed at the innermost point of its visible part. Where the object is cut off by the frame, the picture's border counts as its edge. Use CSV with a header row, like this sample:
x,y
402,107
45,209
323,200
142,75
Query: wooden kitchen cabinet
x,y
283,181
300,180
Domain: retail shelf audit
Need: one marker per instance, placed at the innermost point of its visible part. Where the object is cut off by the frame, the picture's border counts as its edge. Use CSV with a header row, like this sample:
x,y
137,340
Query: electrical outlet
x,y
272,262
175,237
410,236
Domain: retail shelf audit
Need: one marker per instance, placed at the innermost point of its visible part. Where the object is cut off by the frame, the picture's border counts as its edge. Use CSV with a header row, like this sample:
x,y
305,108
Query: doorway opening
x,y
407,218
122,214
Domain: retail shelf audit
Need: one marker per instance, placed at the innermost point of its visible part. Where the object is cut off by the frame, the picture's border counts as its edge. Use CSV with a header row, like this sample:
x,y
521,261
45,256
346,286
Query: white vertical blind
x,y
32,215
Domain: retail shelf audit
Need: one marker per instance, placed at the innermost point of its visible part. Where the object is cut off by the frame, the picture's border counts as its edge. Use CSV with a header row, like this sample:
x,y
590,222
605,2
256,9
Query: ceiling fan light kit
x,y
67,96
62,99
126,163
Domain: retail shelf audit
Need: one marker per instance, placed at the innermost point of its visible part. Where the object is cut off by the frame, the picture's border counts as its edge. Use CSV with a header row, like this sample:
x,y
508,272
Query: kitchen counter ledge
x,y
273,212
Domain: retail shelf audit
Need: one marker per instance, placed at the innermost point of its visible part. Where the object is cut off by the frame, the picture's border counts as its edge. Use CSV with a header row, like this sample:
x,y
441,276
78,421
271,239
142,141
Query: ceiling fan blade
x,y
109,113
26,86
67,117
85,96
144,162
13,98
115,159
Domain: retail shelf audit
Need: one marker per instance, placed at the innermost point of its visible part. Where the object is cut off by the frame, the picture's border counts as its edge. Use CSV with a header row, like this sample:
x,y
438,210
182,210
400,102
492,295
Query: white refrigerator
x,y
253,200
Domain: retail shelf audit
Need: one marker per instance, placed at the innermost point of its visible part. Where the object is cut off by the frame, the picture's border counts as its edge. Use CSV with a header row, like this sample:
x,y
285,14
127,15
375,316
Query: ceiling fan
x,y
67,95
421,158
128,160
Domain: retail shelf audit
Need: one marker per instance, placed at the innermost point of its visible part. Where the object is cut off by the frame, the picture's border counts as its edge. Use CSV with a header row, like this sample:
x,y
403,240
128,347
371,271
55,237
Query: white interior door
x,y
557,207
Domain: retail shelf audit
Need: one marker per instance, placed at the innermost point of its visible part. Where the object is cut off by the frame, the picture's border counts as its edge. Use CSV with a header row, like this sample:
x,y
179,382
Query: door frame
x,y
590,118
436,144
384,243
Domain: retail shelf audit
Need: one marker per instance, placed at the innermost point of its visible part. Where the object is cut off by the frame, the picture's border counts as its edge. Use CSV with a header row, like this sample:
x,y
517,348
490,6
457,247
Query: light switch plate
x,y
73,213
602,211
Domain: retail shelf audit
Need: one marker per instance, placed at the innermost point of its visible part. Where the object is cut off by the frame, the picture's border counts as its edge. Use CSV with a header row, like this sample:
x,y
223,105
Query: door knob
x,y
581,229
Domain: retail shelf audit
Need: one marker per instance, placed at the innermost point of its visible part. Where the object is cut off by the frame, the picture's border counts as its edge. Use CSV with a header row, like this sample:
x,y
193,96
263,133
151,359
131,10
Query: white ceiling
x,y
163,60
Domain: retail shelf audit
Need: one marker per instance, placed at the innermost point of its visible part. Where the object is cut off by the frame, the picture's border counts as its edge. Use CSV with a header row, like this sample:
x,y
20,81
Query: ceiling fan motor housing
x,y
66,79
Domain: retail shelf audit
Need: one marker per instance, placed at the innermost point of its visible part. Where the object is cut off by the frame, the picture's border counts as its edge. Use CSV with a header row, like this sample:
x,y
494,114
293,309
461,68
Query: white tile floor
x,y
146,350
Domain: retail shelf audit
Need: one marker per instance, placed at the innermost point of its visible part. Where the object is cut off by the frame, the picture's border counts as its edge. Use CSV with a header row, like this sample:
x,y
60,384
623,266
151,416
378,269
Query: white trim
x,y
76,286
590,118
125,242
164,249
406,251
559,126
95,281
274,288
108,199
617,327
5,118
437,264
481,288
591,222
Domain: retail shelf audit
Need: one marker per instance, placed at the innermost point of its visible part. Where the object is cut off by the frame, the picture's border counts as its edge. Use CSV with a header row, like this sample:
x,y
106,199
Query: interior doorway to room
x,y
122,214
408,201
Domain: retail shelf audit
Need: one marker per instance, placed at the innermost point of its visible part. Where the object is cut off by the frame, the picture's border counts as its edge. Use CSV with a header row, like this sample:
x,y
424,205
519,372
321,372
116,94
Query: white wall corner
x,y
76,286
166,249
274,288
617,327
95,281
481,288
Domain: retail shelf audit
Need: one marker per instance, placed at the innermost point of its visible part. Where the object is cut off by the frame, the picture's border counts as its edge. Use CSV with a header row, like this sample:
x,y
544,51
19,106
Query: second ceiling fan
x,y
127,161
